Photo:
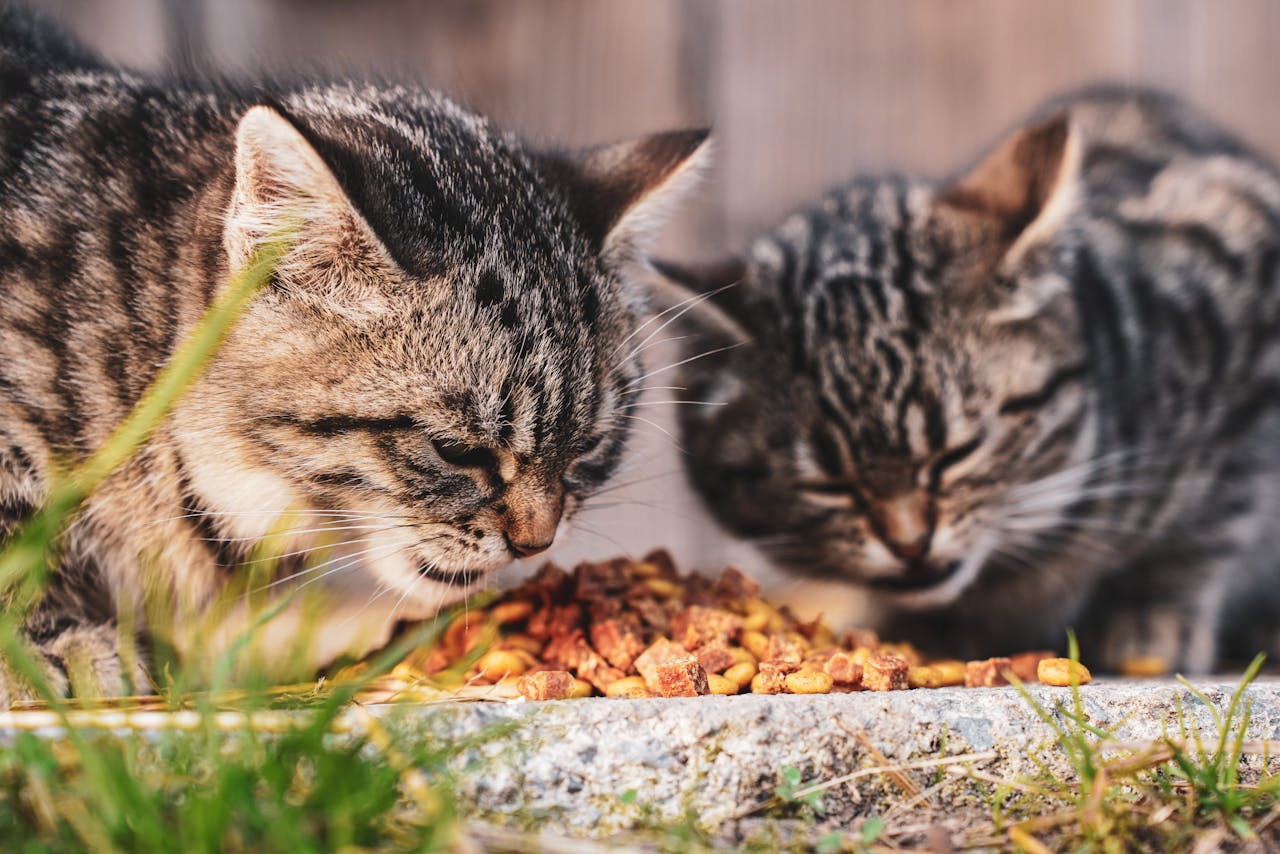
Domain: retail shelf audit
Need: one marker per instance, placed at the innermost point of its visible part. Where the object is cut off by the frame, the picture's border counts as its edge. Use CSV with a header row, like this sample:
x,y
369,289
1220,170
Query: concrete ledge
x,y
566,764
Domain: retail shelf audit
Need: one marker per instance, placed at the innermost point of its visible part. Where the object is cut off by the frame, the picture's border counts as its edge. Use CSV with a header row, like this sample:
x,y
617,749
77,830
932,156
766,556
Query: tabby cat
x,y
432,382
1037,396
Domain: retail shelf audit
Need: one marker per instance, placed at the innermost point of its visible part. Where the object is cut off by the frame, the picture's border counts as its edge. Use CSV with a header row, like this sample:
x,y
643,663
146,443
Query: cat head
x,y
434,376
890,370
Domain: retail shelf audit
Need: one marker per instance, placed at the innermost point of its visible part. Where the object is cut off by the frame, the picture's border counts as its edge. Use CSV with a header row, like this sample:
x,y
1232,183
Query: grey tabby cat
x,y
1038,396
434,380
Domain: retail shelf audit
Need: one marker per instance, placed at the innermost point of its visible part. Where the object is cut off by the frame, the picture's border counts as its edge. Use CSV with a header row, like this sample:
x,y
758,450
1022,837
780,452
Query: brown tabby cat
x,y
1040,395
431,384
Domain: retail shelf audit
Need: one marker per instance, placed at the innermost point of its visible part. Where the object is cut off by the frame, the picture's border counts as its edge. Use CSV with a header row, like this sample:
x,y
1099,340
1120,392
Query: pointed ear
x,y
280,178
1017,184
621,193
705,298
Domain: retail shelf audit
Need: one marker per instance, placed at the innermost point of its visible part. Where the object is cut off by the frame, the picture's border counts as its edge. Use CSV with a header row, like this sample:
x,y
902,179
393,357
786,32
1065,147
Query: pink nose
x,y
914,550
528,549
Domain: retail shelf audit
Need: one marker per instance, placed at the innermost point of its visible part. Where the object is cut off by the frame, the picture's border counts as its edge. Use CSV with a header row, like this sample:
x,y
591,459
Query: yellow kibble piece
x,y
627,686
763,683
741,673
741,655
924,677
526,657
498,664
528,643
405,671
950,671
511,612
581,688
662,588
1062,671
645,569
756,643
722,685
760,615
823,637
1144,666
809,682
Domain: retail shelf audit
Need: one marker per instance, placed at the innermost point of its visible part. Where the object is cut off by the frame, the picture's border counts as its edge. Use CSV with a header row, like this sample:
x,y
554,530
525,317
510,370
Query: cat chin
x,y
949,589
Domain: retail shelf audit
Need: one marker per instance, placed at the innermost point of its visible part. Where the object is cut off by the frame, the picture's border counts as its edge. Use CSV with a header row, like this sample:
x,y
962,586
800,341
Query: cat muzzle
x,y
917,576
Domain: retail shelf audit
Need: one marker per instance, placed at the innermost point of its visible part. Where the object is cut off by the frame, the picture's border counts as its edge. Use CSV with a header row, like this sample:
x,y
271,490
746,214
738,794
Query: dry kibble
x,y
1062,671
511,612
741,673
924,676
809,682
644,569
624,628
518,640
756,643
681,679
546,685
715,658
1024,664
619,639
988,673
628,686
1144,666
662,588
843,669
771,682
498,664
718,684
951,670
885,671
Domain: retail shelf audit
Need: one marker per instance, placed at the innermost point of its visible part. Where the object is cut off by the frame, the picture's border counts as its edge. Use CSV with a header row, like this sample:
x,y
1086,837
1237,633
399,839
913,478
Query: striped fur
x,y
432,383
1038,396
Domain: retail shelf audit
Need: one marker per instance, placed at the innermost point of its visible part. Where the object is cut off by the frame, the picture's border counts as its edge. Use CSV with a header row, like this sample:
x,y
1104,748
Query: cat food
x,y
988,673
1062,672
636,629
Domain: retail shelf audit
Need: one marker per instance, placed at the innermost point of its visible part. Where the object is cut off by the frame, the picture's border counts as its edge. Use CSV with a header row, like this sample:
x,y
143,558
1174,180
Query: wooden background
x,y
801,94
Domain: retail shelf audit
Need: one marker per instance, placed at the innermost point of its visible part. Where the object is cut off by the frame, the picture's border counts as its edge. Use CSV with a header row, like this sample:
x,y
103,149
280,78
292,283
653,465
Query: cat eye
x,y
589,445
951,457
826,487
463,455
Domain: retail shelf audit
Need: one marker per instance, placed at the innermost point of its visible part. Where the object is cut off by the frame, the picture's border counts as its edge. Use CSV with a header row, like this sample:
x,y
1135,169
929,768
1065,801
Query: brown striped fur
x,y
431,384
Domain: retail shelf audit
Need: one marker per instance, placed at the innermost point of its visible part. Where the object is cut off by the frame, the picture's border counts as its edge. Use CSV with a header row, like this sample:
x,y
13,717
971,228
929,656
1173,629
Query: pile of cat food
x,y
626,628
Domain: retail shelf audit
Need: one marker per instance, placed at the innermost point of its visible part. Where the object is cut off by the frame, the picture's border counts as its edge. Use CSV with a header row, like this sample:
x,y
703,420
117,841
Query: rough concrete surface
x,y
566,765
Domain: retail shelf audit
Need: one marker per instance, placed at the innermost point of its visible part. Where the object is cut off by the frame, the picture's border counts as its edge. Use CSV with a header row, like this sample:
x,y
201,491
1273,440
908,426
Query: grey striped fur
x,y
1037,396
432,383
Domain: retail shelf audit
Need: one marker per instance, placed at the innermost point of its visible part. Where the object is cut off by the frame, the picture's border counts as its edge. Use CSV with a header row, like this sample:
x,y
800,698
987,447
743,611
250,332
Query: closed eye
x,y
462,455
826,487
335,424
588,445
831,494
951,457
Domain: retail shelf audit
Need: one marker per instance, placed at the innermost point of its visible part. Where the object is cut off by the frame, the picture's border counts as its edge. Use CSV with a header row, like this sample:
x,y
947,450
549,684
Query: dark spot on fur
x,y
509,318
489,291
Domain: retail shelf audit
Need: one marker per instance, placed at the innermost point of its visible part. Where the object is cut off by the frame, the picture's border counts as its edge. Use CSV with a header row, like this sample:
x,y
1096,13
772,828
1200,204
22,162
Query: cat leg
x,y
1155,622
15,687
81,660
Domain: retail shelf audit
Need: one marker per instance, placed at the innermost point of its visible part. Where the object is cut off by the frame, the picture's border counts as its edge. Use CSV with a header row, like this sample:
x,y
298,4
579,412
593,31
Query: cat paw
x,y
15,688
90,656
1184,643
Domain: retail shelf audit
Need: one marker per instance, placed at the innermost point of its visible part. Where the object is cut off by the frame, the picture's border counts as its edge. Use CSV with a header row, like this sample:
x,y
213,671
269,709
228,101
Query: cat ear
x,y
705,297
621,193
1020,183
280,179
